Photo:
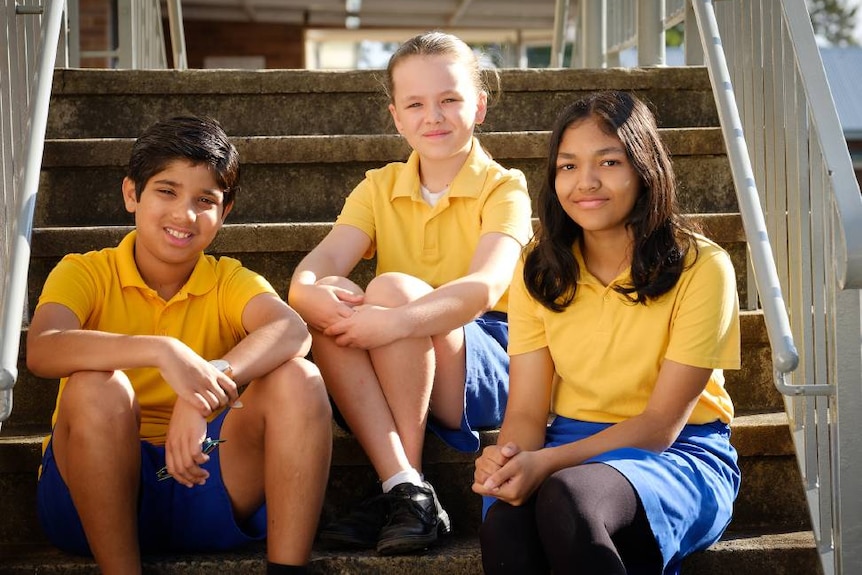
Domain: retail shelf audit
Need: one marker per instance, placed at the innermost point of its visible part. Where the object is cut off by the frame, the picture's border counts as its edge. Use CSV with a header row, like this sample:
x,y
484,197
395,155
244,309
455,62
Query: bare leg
x,y
447,395
98,454
280,445
353,384
405,370
418,373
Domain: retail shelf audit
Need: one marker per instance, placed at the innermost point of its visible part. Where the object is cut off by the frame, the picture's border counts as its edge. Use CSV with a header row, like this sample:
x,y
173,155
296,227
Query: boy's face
x,y
177,217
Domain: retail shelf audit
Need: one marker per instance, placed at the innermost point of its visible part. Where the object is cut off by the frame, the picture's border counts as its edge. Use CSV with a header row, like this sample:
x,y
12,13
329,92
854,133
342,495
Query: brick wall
x,y
97,30
276,45
279,45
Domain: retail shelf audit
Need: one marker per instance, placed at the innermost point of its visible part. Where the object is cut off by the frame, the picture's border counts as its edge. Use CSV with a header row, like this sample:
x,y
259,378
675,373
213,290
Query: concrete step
x,y
782,553
768,464
306,178
751,387
121,103
274,250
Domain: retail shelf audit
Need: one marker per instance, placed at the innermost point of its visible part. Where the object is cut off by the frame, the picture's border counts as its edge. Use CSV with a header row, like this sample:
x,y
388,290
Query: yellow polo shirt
x,y
437,243
608,351
106,292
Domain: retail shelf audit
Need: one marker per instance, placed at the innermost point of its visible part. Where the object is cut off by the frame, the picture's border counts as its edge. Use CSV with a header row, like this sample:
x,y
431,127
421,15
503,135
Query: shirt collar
x,y
202,280
468,183
585,277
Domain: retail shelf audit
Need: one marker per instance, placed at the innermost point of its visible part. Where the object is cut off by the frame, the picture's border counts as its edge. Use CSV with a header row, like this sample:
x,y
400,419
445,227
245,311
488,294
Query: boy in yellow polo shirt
x,y
152,340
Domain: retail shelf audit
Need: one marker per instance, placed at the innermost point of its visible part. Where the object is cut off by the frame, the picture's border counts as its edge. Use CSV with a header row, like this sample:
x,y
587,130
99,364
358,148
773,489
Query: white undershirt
x,y
432,197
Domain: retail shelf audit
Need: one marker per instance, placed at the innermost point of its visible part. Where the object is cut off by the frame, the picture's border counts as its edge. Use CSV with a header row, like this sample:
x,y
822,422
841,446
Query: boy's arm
x,y
276,334
58,347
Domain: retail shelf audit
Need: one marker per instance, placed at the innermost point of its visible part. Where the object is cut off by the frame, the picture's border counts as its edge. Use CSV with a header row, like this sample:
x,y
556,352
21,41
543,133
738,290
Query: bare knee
x,y
394,289
99,398
341,282
295,390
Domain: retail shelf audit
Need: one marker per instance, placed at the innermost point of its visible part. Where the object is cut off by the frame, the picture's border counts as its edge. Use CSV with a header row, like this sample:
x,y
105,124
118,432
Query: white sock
x,y
407,476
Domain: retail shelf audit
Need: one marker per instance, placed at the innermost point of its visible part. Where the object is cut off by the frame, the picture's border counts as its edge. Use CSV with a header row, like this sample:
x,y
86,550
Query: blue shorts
x,y
486,387
687,490
171,517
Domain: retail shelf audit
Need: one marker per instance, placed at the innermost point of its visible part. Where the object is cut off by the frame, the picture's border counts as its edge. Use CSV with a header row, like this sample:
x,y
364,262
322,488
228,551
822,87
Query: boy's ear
x,y
129,196
226,211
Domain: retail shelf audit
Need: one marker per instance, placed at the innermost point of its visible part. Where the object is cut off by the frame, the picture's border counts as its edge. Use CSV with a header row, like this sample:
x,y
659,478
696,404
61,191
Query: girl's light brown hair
x,y
442,44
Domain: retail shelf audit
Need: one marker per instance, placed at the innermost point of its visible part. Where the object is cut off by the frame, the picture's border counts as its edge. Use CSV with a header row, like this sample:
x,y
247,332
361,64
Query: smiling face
x,y
596,183
177,216
436,105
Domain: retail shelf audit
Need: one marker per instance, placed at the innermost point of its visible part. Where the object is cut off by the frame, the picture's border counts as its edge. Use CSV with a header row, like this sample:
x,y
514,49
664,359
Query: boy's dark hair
x,y
661,238
200,140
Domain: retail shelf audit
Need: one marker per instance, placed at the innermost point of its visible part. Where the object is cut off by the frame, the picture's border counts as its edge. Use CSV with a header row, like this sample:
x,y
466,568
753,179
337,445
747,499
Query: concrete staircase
x,y
305,139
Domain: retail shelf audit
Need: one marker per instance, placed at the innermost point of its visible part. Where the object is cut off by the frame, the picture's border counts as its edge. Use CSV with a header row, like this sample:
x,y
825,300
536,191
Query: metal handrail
x,y
15,291
785,357
796,163
825,118
35,110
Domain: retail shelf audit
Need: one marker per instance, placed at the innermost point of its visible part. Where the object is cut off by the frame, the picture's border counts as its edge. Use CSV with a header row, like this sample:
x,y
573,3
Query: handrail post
x,y
178,38
16,279
558,43
593,33
691,38
651,35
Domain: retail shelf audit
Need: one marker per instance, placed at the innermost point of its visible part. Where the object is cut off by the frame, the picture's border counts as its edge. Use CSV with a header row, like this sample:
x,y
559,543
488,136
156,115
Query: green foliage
x,y
674,36
834,21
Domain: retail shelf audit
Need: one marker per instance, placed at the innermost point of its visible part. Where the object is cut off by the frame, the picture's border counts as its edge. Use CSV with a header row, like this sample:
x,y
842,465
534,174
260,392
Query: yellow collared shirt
x,y
106,292
608,351
436,244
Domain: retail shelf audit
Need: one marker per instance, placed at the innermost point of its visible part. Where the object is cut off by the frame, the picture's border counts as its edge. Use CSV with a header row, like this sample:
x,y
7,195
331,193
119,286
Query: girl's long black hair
x,y
661,237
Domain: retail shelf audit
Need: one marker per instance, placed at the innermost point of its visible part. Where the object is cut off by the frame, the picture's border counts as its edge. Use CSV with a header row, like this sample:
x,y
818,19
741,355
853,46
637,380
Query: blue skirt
x,y
486,387
687,490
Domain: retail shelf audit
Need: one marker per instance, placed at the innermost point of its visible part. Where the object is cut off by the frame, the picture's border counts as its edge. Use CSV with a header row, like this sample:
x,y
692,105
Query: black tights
x,y
585,519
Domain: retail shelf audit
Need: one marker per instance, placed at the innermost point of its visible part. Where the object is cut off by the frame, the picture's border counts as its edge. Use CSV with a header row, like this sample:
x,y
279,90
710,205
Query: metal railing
x,y
800,169
24,110
37,33
141,40
605,28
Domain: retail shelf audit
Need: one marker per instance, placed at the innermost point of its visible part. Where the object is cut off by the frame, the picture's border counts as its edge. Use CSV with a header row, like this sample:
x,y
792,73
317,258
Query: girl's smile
x,y
596,183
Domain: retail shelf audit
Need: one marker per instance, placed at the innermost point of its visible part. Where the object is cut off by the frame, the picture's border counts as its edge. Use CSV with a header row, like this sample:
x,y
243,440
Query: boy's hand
x,y
196,381
186,432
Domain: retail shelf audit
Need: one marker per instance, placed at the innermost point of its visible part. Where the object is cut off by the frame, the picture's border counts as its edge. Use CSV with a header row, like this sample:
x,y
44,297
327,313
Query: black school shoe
x,y
415,518
360,529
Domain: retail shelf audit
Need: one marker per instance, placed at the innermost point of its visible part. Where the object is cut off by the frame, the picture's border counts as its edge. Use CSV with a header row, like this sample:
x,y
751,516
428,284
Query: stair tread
x,y
56,241
452,555
746,423
382,148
